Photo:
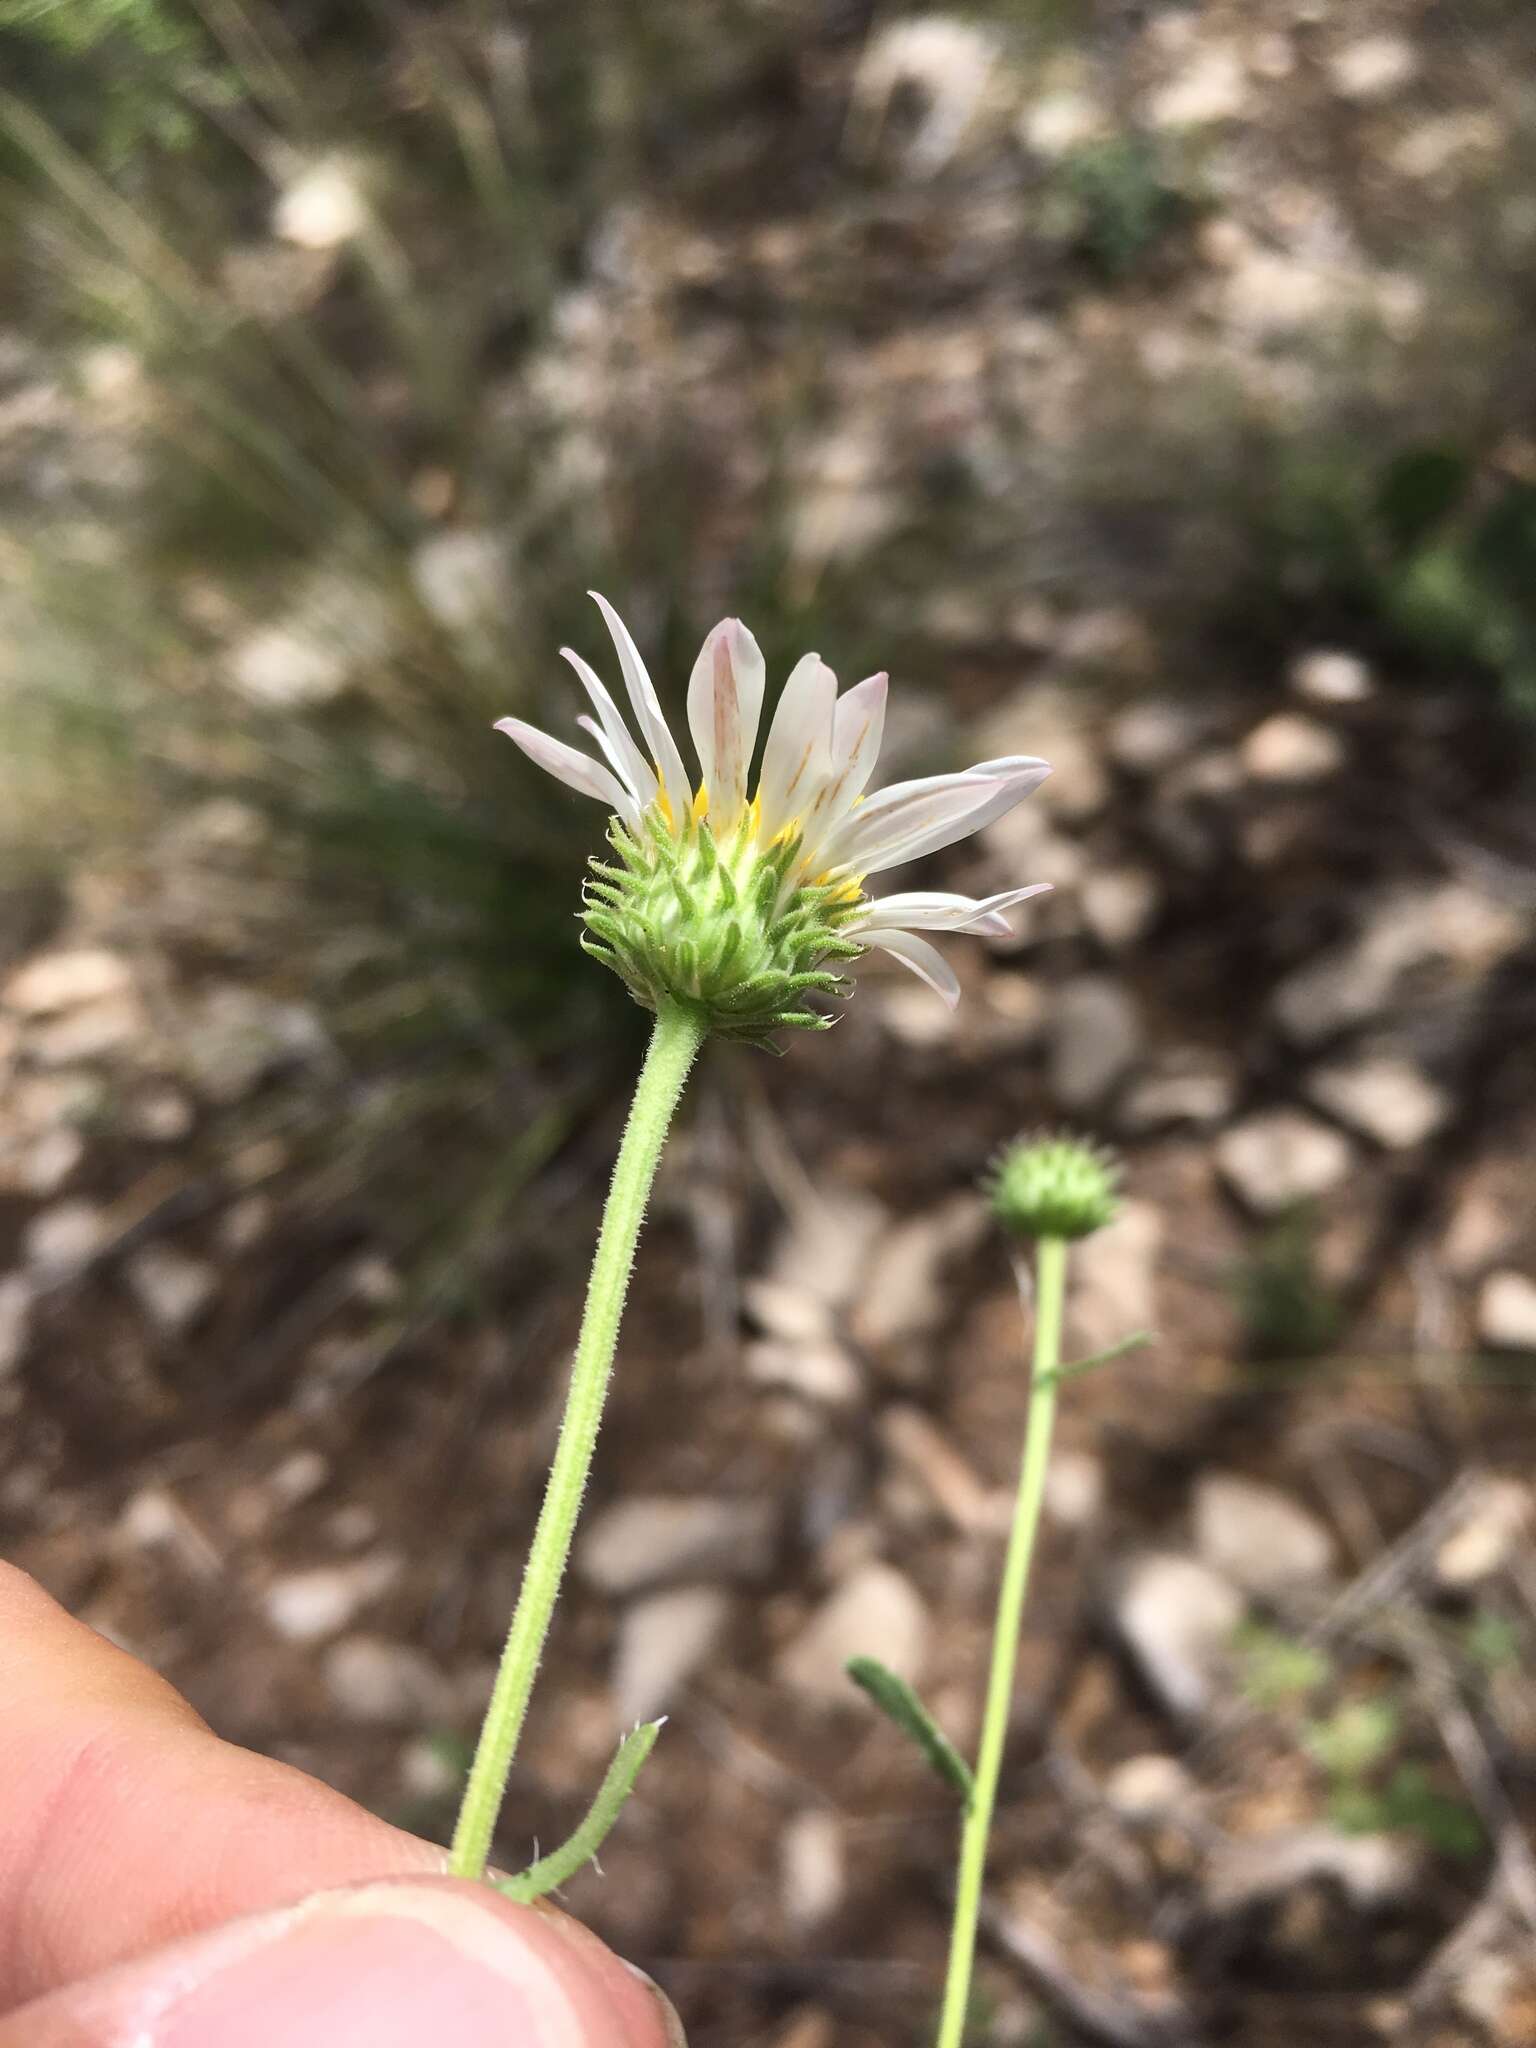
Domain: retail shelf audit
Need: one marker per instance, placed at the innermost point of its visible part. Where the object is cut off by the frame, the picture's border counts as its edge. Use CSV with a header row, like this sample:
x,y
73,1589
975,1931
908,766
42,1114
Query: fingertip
x,y
393,1964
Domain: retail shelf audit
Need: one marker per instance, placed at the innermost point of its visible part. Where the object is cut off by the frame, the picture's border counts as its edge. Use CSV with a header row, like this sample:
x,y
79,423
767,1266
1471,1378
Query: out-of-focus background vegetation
x,y
1148,386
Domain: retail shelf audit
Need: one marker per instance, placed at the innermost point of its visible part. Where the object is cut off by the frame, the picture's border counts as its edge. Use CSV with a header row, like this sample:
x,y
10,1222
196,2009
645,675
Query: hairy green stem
x,y
675,1040
1051,1274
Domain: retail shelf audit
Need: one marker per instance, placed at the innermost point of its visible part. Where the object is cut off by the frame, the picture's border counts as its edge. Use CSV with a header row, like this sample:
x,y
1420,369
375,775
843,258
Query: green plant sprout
x,y
1353,1748
728,911
1287,1308
1053,1190
1275,1668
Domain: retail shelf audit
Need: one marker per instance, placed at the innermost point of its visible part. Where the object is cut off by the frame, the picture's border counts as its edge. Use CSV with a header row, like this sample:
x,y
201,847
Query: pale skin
x,y
150,1874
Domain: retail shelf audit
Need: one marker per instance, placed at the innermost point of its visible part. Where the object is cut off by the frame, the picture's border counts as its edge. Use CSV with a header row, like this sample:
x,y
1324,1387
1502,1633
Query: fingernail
x,y
671,2026
396,1965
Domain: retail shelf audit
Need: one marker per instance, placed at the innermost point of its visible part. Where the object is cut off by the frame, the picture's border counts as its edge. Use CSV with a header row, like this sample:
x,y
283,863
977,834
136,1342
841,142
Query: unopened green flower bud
x,y
718,923
1055,1186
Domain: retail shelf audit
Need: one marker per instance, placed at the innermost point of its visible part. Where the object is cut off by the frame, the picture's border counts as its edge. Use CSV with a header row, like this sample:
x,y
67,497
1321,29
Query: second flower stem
x,y
1050,1291
675,1040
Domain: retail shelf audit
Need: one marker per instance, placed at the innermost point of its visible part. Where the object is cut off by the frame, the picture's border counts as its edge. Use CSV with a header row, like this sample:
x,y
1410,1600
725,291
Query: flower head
x,y
1054,1186
745,902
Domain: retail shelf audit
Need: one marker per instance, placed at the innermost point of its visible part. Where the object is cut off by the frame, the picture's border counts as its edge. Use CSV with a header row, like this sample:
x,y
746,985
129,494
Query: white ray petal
x,y
925,961
633,806
913,818
629,763
648,711
857,726
857,730
938,910
577,770
1025,773
798,757
725,703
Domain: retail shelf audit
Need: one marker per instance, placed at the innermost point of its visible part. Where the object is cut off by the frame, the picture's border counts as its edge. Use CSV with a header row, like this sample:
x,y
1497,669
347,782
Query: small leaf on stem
x,y
562,1864
899,1703
1095,1359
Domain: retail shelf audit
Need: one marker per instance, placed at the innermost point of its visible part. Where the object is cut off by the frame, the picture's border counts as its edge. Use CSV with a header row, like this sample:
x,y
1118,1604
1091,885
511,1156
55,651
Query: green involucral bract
x,y
714,923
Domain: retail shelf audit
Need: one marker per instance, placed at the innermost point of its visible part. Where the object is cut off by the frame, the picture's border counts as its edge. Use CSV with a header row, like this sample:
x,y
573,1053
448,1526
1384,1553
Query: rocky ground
x,y
1273,1761
1273,1768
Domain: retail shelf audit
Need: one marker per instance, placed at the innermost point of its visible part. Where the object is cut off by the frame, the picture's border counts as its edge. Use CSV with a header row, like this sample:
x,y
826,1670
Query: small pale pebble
x,y
1213,87
1496,1526
461,576
63,1237
1328,676
914,1019
308,1606
1290,748
173,1288
1189,1085
373,1680
1258,1537
1060,122
816,1369
1281,1157
148,1520
826,1244
1369,1871
53,982
375,1281
1150,1787
322,206
262,1160
299,1477
812,1868
809,2028
1153,736
875,1612
1387,1099
1437,146
1074,1488
1096,1036
1010,1013
427,1771
245,1222
647,1538
154,1519
1120,904
1115,1277
946,64
162,1115
40,1165
1506,1311
1176,1617
663,1641
1272,56
1373,67
1479,1230
1047,720
789,1313
90,1031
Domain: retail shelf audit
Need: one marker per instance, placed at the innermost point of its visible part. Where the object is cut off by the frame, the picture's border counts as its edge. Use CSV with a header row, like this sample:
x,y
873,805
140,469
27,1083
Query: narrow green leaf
x,y
899,1703
562,1864
1095,1359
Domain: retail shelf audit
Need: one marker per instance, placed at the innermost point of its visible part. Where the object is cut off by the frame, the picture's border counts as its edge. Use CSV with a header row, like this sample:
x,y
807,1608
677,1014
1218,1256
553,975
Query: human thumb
x,y
414,1963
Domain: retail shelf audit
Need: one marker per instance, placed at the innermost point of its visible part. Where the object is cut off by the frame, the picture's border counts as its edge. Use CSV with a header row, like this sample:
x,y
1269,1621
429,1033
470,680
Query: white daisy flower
x,y
743,902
